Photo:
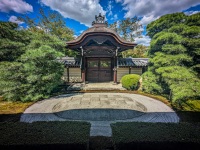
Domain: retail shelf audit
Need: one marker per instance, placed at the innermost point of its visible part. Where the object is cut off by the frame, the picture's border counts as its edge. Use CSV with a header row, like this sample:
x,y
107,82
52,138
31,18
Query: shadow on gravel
x,y
98,114
185,116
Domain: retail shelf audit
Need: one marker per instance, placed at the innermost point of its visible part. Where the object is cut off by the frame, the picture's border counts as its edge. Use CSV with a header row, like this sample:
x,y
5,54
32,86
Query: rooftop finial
x,y
99,19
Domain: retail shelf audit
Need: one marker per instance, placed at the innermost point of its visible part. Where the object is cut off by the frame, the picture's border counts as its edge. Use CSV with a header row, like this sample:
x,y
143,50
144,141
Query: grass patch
x,y
67,134
155,135
191,105
7,107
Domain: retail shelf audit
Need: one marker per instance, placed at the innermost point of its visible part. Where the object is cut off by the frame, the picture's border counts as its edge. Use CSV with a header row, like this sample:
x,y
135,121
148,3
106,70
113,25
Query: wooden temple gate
x,y
98,48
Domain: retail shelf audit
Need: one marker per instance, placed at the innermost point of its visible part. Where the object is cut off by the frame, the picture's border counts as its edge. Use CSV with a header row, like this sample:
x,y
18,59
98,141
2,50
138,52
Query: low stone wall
x,y
121,72
124,71
74,75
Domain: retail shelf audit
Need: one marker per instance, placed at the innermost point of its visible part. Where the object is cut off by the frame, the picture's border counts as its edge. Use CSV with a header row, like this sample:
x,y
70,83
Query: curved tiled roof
x,y
132,62
122,62
100,29
70,61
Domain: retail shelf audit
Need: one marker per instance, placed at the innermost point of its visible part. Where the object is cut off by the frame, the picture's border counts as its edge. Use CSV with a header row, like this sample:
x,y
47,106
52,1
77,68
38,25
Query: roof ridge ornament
x,y
100,19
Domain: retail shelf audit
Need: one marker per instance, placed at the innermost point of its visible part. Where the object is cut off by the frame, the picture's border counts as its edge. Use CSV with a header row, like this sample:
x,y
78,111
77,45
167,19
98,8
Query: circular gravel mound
x,y
99,108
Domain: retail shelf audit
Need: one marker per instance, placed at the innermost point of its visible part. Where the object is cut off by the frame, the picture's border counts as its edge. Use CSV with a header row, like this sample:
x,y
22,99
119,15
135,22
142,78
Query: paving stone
x,y
106,102
86,96
117,96
121,102
119,99
103,99
95,96
85,101
75,101
76,98
103,96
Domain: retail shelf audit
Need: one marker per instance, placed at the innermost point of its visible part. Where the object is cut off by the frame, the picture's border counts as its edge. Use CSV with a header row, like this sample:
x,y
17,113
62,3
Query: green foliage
x,y
66,134
43,72
34,78
150,83
130,81
50,27
174,58
132,135
140,51
183,82
162,59
129,28
163,38
164,23
191,105
50,22
173,49
30,72
12,41
193,20
12,78
39,39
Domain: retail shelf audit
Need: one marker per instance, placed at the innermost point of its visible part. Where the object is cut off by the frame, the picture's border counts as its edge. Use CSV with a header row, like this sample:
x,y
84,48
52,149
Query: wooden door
x,y
99,69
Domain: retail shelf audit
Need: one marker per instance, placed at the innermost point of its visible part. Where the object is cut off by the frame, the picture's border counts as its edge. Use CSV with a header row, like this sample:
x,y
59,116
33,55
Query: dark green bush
x,y
134,135
130,81
49,135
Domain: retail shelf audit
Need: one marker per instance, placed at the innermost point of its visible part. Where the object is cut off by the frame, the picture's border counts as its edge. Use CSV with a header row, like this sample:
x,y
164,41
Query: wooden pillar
x,y
68,73
83,65
83,75
129,70
115,75
115,66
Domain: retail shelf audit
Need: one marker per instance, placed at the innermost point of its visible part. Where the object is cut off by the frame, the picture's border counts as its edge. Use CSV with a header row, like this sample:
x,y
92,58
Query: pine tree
x,y
31,72
174,52
12,41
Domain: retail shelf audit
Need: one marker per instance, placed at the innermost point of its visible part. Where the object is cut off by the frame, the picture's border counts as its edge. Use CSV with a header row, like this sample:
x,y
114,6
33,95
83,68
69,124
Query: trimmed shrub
x,y
130,81
165,136
44,135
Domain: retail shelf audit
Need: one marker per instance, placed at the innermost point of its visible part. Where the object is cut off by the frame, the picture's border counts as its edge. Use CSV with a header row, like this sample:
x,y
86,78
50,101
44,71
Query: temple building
x,y
99,47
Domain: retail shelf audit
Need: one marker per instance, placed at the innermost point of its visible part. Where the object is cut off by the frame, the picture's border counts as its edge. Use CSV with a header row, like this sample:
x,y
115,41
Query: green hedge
x,y
163,136
130,81
44,135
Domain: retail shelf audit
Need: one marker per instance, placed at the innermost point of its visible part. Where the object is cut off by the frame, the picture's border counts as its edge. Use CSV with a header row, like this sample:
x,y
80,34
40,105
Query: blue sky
x,y
79,14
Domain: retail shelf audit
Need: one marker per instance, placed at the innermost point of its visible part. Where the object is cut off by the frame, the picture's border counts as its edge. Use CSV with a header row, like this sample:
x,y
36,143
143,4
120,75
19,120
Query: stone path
x,y
100,109
105,86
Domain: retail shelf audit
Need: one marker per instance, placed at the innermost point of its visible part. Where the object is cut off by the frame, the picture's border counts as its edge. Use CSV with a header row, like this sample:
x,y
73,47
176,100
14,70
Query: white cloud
x,y
117,1
15,20
115,17
147,19
191,12
18,6
81,31
145,40
109,8
80,10
152,9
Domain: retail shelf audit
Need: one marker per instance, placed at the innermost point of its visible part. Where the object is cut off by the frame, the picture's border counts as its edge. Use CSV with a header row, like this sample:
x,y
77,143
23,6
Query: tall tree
x,y
128,28
12,41
53,24
50,22
34,72
173,68
140,51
